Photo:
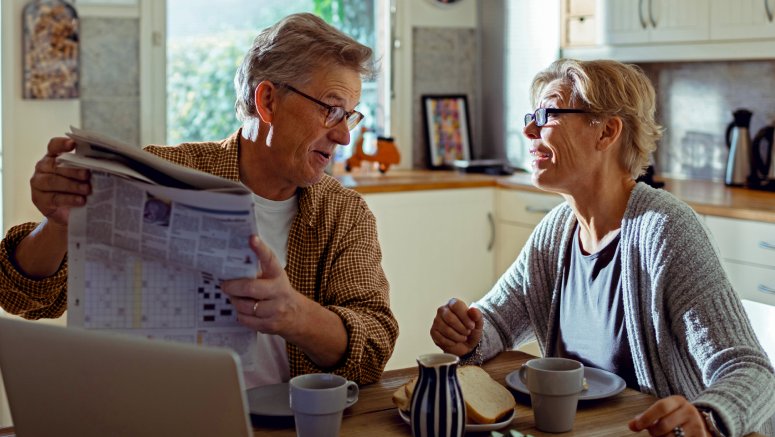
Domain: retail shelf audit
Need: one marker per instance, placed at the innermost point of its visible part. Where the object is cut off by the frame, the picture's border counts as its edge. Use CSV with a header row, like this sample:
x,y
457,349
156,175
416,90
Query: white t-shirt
x,y
274,228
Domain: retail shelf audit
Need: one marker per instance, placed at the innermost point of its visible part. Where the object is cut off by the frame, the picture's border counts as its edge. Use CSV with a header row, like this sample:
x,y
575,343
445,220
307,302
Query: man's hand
x,y
666,414
56,189
278,307
457,329
281,310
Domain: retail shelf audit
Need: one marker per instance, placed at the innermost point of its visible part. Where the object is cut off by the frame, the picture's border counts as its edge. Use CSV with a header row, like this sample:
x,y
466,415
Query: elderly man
x,y
321,303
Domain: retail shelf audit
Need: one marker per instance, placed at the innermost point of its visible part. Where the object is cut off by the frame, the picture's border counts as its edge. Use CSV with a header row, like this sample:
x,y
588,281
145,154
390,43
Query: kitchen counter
x,y
706,197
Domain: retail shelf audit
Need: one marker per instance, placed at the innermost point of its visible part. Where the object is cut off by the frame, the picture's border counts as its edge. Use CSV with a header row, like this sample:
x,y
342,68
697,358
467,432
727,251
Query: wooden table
x,y
375,415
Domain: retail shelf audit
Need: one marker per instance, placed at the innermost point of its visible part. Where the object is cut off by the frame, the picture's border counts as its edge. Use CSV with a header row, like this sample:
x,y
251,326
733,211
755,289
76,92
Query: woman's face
x,y
564,149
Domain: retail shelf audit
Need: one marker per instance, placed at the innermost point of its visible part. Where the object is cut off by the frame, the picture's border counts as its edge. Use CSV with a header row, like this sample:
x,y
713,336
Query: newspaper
x,y
150,249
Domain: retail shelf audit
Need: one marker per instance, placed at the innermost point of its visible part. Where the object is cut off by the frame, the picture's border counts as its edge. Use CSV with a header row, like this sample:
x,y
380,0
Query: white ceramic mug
x,y
554,385
318,400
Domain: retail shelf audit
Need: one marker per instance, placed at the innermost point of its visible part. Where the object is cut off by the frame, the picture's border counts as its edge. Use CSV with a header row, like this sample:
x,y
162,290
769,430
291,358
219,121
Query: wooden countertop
x,y
706,197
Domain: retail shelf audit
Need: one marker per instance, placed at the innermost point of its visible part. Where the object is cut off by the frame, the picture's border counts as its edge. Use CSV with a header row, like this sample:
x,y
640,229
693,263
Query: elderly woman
x,y
297,88
621,277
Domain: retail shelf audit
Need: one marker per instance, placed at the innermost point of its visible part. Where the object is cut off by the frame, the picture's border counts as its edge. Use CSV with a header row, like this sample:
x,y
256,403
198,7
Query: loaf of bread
x,y
486,400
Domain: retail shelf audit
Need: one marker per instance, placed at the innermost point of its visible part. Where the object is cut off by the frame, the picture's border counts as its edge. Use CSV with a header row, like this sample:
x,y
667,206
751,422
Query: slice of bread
x,y
486,400
400,400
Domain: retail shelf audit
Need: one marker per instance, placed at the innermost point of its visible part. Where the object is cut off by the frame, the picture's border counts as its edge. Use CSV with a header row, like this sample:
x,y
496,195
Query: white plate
x,y
270,400
602,384
471,427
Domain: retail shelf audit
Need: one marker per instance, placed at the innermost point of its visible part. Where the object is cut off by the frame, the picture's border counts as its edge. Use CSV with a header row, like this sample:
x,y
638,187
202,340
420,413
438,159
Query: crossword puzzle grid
x,y
168,296
152,295
108,300
214,308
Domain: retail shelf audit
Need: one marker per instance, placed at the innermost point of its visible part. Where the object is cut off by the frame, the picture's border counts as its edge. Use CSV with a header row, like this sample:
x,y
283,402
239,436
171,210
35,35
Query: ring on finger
x,y
255,307
678,431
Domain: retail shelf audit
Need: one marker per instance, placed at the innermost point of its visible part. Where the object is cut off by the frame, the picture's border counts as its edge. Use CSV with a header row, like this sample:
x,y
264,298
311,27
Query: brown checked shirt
x,y
333,258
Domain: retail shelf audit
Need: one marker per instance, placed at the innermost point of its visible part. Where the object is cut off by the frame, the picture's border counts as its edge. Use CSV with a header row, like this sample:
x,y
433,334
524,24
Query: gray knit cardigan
x,y
687,329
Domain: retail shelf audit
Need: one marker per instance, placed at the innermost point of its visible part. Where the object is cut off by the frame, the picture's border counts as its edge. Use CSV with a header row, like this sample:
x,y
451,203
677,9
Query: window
x,y
532,43
207,40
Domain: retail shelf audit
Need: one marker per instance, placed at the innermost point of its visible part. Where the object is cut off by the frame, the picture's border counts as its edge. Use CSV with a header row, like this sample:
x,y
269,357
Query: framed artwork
x,y
51,58
447,130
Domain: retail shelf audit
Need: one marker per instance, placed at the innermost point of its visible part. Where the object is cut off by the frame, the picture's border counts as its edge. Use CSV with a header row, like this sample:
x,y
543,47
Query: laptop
x,y
73,382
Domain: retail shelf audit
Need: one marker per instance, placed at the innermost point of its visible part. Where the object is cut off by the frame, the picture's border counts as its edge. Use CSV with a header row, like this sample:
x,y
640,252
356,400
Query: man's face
x,y
300,144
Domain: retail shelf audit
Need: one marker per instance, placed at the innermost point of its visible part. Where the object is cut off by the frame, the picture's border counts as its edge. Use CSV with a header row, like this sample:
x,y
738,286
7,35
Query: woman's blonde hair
x,y
607,88
290,52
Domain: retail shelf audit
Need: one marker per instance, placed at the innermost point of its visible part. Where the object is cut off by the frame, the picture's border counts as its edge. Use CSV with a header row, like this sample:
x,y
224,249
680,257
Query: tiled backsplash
x,y
694,104
110,77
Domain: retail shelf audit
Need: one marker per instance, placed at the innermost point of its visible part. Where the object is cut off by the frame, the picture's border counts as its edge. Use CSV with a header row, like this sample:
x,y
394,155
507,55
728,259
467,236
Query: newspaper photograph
x,y
148,259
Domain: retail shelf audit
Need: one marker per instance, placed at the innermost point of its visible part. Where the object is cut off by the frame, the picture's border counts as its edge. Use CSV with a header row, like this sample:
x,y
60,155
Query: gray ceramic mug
x,y
554,385
318,400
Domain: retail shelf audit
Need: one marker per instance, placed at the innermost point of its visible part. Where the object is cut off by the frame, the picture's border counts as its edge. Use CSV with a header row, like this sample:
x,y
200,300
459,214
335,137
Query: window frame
x,y
153,68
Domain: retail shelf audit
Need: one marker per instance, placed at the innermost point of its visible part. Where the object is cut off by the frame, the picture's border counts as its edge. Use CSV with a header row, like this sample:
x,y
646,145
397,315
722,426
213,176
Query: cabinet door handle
x,y
538,210
643,22
765,289
767,245
651,12
767,8
492,232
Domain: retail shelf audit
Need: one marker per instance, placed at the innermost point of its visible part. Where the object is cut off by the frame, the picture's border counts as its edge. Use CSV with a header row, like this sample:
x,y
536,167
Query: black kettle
x,y
763,150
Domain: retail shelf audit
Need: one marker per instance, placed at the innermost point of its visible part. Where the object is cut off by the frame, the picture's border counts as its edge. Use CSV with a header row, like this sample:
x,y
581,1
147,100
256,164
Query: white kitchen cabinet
x,y
748,248
681,30
744,240
742,19
623,21
653,21
516,215
752,282
524,207
436,245
679,20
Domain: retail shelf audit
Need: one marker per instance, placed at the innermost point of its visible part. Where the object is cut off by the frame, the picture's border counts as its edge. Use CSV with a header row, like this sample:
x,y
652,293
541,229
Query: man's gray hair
x,y
290,52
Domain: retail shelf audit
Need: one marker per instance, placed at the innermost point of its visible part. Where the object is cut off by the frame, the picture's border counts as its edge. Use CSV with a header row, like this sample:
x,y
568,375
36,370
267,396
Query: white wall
x,y
27,124
410,14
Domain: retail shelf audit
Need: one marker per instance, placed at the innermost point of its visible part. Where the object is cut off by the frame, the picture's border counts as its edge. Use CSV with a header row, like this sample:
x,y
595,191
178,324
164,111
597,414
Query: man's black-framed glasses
x,y
540,115
335,113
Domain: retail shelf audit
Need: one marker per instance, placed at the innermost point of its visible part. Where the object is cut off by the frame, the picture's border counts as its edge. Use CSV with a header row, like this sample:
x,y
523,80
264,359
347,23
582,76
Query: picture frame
x,y
447,129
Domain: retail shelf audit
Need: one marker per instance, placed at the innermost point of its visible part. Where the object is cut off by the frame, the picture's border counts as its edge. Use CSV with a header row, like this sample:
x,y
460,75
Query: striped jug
x,y
438,409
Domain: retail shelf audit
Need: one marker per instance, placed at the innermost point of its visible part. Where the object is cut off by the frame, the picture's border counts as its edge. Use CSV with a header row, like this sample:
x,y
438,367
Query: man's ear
x,y
266,101
610,133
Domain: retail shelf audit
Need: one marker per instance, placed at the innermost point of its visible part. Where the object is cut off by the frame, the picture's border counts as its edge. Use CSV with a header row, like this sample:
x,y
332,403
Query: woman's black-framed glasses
x,y
540,115
335,113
